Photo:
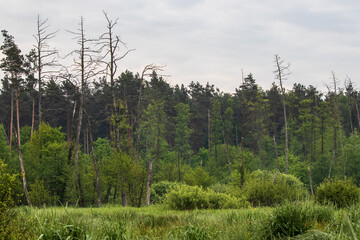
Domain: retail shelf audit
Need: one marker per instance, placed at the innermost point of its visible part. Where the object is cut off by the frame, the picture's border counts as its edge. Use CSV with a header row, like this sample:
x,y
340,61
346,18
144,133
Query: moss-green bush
x,y
10,224
193,197
158,190
261,190
39,195
341,193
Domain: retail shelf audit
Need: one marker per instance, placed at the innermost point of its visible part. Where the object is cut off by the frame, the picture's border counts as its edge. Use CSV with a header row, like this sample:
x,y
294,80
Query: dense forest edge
x,y
87,135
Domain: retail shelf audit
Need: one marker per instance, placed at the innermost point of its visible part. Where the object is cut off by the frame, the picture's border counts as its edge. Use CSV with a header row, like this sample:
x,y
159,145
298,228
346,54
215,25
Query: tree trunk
x,y
331,164
123,198
280,75
138,145
179,167
260,150
11,116
77,143
33,113
227,154
310,178
97,181
141,193
358,114
148,185
18,148
39,92
106,199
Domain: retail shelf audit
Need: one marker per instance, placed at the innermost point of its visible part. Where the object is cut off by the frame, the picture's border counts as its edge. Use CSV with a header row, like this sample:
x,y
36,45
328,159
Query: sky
x,y
209,40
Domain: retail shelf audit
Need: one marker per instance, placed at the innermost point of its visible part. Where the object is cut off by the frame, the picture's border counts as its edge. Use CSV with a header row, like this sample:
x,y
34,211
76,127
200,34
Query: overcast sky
x,y
210,40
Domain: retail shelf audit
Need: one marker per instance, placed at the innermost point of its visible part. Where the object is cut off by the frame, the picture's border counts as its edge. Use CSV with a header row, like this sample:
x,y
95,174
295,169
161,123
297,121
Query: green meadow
x,y
292,220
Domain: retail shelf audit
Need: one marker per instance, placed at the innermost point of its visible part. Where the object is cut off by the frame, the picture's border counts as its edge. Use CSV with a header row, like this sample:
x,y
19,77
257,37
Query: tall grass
x,y
312,221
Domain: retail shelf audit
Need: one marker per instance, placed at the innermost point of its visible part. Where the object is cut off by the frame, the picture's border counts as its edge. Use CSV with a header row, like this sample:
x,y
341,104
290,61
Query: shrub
x,y
341,193
38,194
10,224
194,197
260,190
158,190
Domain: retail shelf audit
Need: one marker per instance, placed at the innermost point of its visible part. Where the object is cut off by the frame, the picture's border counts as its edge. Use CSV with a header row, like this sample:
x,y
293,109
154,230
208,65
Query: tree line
x,y
88,134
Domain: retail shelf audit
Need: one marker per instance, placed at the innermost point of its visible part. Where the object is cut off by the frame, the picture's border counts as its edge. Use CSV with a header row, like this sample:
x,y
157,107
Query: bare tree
x,y
46,57
277,159
336,123
281,72
85,66
96,168
110,43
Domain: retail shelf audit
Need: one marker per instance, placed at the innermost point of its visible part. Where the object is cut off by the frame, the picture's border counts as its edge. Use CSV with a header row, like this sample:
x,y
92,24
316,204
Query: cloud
x,y
210,40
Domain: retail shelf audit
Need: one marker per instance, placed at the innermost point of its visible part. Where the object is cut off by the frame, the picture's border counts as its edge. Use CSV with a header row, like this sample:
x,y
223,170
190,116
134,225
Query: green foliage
x,y
260,190
4,146
120,170
198,177
8,183
341,193
158,190
193,197
182,131
10,225
352,156
45,158
39,194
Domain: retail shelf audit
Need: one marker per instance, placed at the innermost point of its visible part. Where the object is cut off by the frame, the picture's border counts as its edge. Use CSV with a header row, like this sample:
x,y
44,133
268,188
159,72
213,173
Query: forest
x,y
89,135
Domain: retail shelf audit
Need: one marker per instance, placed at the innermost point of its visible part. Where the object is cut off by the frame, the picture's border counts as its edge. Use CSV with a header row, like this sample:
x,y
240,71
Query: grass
x,y
158,222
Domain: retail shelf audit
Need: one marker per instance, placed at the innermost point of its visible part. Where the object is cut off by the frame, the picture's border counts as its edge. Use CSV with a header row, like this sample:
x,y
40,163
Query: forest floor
x,y
159,222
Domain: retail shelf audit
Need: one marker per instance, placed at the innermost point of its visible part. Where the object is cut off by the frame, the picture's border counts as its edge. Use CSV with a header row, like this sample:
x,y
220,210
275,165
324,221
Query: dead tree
x,y
46,57
281,72
95,162
110,44
86,65
336,123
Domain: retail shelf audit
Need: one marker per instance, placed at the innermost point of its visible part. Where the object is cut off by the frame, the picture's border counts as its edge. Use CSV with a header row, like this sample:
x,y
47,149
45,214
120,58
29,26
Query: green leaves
x,y
187,197
341,193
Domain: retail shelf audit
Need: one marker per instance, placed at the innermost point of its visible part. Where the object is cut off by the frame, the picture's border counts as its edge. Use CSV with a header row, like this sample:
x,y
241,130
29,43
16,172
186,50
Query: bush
x,y
38,194
260,190
341,193
10,224
194,197
158,190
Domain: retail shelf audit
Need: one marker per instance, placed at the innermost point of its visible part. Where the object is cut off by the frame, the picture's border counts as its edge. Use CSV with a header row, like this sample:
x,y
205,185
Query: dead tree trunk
x,y
96,168
280,74
11,116
43,55
18,148
226,149
148,184
277,159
